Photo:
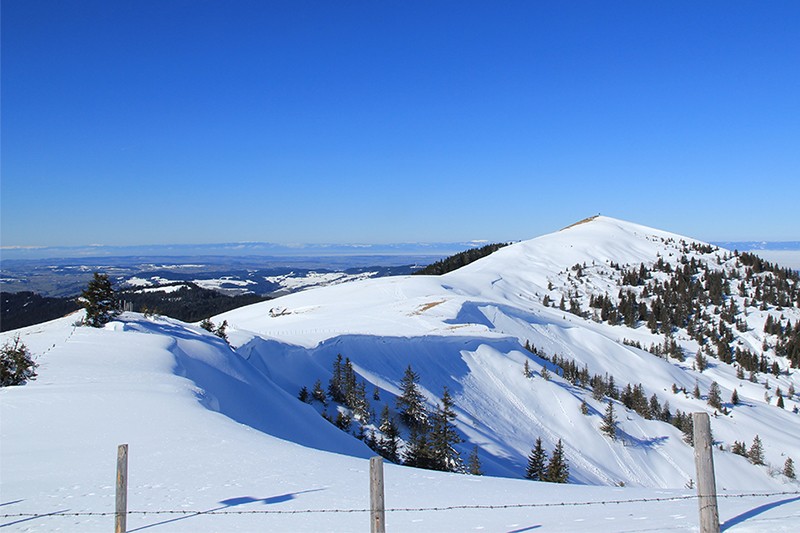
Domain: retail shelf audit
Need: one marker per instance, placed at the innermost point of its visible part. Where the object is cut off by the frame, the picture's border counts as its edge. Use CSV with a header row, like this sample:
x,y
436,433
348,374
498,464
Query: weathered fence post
x,y
120,522
706,484
377,514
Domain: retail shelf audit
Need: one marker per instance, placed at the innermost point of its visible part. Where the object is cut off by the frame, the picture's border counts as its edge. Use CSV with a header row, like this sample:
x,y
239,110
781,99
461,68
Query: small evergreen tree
x,y
696,391
714,396
609,425
418,450
584,407
788,469
318,394
545,373
304,395
336,384
735,397
474,463
99,300
756,452
207,325
343,421
222,330
16,363
739,448
557,468
410,402
443,436
537,461
700,361
390,439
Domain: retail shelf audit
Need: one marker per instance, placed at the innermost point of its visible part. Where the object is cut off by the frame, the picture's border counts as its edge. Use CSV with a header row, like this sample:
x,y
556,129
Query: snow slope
x,y
465,330
216,429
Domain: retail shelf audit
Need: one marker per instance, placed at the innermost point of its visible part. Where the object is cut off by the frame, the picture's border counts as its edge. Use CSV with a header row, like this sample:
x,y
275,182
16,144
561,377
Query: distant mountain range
x,y
249,249
238,249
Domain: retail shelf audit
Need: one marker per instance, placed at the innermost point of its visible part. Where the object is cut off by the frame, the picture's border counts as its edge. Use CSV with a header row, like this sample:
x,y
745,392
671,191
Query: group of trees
x,y
430,435
459,260
540,468
697,296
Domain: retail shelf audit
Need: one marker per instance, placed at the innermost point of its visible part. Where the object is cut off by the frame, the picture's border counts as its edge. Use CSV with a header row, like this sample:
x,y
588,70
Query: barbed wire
x,y
397,509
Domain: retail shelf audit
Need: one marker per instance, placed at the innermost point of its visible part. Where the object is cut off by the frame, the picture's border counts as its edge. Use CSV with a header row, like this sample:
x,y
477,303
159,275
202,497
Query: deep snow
x,y
211,428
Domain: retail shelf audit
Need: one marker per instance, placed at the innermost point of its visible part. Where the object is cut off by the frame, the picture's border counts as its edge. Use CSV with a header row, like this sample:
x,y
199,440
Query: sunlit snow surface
x,y
214,429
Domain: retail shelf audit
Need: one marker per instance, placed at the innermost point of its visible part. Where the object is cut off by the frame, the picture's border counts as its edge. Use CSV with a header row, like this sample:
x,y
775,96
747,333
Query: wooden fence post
x,y
706,483
377,514
120,522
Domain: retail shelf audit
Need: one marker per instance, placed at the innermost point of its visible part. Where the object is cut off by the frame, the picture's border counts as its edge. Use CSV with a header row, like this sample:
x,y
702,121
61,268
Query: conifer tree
x,y
537,461
389,441
584,407
739,448
714,396
788,469
700,361
443,436
756,452
336,384
474,463
655,407
222,332
609,425
100,301
545,373
735,397
304,395
16,363
318,394
418,450
410,402
557,468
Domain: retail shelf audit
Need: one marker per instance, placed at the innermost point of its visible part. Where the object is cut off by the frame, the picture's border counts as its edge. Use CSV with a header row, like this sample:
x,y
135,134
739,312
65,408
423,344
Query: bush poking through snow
x,y
16,364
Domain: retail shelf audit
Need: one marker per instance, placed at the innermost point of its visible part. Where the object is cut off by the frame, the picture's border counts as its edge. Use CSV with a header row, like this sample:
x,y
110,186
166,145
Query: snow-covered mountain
x,y
218,426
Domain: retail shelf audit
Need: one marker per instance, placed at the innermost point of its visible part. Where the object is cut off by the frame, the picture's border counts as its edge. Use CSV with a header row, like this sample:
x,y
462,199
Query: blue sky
x,y
200,121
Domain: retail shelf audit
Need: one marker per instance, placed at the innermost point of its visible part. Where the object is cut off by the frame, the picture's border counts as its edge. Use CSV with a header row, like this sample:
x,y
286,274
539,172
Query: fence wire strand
x,y
187,512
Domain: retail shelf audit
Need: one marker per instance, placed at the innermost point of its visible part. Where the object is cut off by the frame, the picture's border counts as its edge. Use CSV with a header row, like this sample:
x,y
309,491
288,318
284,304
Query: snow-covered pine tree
x,y
443,436
16,364
318,394
389,441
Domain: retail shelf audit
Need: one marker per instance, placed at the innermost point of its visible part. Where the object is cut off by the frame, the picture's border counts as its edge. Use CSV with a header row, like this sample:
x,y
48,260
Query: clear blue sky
x,y
192,121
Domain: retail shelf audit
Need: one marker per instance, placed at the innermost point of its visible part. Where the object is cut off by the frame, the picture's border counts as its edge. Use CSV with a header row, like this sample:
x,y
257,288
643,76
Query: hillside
x,y
214,426
466,330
